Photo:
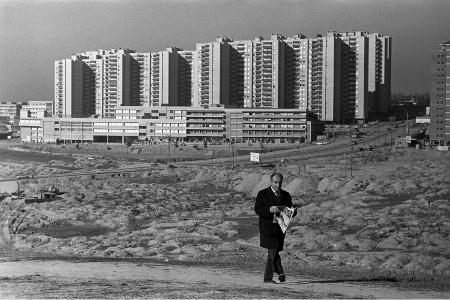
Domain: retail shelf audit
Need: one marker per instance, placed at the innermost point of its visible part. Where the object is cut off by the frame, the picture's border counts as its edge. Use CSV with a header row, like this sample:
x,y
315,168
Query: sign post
x,y
254,157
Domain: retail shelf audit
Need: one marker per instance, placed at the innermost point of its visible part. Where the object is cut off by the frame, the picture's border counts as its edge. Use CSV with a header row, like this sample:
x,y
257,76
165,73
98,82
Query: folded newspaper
x,y
284,217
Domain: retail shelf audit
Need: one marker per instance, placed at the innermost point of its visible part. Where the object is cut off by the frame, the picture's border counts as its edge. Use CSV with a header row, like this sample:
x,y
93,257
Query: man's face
x,y
276,183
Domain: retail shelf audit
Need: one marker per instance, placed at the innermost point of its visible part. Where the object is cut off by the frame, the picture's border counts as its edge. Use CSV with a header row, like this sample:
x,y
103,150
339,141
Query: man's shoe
x,y
270,281
282,278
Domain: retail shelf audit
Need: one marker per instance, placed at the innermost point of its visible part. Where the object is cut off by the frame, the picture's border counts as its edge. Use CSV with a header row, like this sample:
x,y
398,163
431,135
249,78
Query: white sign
x,y
254,156
408,139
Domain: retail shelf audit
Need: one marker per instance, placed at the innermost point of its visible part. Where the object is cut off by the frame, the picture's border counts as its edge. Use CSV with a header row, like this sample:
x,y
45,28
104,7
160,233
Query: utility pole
x,y
351,163
407,125
391,139
374,136
168,144
232,141
232,154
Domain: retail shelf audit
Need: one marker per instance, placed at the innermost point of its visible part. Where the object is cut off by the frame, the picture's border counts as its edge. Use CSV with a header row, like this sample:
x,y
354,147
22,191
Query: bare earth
x,y
63,279
377,230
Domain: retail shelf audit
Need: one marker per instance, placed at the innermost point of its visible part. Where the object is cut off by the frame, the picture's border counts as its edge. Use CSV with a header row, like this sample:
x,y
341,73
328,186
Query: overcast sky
x,y
35,33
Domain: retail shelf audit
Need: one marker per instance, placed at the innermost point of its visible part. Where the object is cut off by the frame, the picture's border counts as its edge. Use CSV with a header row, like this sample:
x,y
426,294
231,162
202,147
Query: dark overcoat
x,y
270,234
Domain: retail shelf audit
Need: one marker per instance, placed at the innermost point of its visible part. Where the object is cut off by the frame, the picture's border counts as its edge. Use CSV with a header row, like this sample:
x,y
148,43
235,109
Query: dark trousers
x,y
273,264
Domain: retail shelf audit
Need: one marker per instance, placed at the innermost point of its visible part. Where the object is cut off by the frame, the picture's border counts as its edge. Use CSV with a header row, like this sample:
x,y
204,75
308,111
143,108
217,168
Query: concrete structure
x,y
37,109
4,129
69,78
379,75
324,73
95,82
403,100
25,113
354,76
247,73
241,73
171,77
266,125
92,83
340,77
170,122
212,69
10,109
5,119
164,77
31,129
297,66
140,78
269,72
365,75
186,73
116,65
10,114
440,96
423,120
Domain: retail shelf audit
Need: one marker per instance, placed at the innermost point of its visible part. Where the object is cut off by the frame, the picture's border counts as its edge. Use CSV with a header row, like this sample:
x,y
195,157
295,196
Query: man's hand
x,y
274,210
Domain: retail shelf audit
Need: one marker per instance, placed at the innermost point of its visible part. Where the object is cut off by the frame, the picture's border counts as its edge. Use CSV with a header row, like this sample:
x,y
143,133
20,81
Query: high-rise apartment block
x,y
268,72
212,80
241,69
171,77
365,75
116,81
340,77
95,82
440,96
69,87
186,75
140,70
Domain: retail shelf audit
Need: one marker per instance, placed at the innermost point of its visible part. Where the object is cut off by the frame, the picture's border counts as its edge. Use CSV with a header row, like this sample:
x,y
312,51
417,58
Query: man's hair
x,y
276,174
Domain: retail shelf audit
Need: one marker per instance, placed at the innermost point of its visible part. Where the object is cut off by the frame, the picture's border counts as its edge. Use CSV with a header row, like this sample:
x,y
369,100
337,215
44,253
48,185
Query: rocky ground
x,y
389,220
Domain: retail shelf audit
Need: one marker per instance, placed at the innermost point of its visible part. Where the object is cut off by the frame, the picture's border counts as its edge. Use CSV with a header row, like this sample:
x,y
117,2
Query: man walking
x,y
270,234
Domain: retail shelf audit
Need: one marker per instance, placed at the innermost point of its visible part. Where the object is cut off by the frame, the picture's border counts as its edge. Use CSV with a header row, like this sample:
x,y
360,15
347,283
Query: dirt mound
x,y
329,185
302,185
182,213
9,187
250,183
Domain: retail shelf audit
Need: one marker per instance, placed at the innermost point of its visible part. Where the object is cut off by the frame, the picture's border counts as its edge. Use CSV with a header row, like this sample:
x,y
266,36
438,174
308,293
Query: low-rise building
x,y
3,129
37,109
423,120
11,110
266,125
4,119
139,123
31,130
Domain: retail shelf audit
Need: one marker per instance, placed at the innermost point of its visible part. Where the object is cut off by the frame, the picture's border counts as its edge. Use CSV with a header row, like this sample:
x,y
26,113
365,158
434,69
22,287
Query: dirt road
x,y
72,279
